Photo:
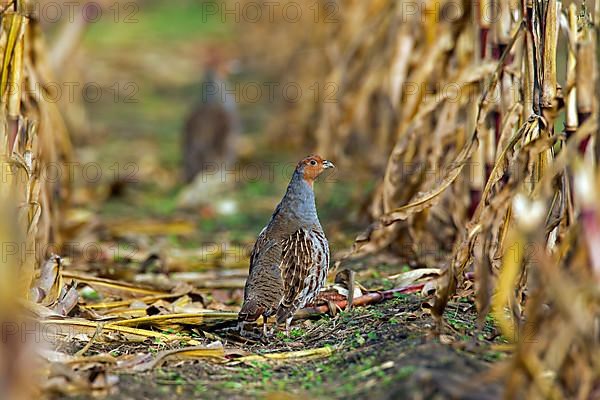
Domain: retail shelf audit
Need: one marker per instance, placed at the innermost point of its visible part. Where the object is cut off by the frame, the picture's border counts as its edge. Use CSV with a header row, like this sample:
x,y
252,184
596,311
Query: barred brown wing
x,y
305,260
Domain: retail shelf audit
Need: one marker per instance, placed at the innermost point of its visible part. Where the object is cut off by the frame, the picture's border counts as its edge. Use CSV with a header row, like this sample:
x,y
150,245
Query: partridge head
x,y
311,167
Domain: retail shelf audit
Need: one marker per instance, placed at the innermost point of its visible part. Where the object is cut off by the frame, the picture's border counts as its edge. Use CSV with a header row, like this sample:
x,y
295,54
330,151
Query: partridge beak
x,y
328,164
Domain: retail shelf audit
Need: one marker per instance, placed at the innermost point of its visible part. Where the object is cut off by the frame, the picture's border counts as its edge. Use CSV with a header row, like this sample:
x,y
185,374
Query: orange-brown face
x,y
312,167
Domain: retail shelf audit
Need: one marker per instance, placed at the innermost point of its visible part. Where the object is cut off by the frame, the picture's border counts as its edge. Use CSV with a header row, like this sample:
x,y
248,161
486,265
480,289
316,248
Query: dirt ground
x,y
385,351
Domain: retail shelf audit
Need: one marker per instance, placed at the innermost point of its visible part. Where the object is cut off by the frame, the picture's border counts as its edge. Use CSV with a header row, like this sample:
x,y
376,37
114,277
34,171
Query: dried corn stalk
x,y
466,101
34,188
34,142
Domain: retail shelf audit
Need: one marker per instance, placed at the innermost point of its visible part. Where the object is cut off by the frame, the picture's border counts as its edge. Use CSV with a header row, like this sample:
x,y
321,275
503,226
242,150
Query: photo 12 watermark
x,y
69,171
270,11
452,11
254,172
125,12
87,252
71,92
270,92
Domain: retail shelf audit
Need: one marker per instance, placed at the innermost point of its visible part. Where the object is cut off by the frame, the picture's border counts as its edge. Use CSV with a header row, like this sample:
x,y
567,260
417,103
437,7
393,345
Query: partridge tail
x,y
250,311
283,313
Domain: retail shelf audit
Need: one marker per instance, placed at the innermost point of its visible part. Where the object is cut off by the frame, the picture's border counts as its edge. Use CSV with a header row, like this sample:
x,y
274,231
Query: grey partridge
x,y
290,259
212,127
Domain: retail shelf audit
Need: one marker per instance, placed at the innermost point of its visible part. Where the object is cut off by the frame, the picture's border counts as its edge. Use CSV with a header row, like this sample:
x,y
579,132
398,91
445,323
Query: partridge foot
x,y
266,332
241,327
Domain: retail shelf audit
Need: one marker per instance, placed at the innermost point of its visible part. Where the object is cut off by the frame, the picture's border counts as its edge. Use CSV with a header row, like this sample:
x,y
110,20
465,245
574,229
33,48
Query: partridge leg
x,y
288,322
332,308
241,327
265,330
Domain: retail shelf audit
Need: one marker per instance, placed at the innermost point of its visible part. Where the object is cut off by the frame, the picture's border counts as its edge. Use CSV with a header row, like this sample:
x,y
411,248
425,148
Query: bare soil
x,y
385,351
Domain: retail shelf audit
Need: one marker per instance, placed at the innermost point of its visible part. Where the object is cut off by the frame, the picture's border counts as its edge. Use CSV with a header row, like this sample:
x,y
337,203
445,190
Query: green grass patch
x,y
132,23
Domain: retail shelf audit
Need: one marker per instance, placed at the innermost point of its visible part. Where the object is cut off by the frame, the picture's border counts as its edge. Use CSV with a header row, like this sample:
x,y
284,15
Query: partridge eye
x,y
313,162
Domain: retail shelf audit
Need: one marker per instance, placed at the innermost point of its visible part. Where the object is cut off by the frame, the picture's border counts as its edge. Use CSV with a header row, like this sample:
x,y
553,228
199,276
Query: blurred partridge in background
x,y
290,259
213,125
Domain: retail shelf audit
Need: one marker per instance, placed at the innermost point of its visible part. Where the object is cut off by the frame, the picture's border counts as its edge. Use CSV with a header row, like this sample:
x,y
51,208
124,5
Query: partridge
x,y
290,259
212,127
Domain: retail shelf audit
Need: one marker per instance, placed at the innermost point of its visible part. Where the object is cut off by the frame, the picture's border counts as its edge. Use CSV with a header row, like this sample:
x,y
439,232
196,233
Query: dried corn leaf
x,y
321,352
122,228
213,351
200,318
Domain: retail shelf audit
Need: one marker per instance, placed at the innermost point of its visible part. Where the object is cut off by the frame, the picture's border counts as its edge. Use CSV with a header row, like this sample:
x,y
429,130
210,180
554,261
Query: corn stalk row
x,y
482,118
